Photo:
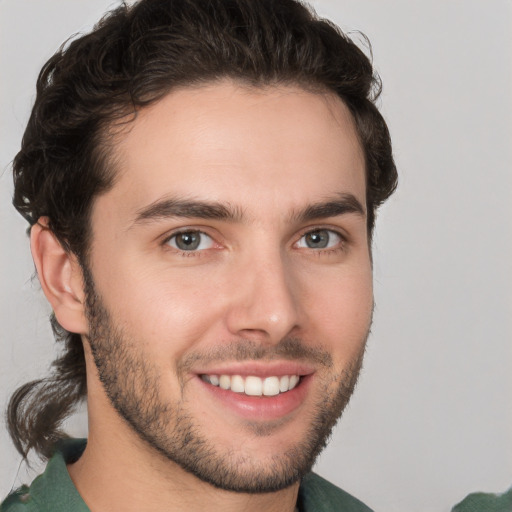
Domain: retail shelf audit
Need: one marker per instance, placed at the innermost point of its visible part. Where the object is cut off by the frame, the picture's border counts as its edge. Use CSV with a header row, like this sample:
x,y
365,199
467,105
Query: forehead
x,y
276,147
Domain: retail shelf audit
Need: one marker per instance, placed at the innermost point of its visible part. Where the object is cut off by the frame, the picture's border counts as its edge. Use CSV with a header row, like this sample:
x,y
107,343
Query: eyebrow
x,y
173,207
162,209
341,204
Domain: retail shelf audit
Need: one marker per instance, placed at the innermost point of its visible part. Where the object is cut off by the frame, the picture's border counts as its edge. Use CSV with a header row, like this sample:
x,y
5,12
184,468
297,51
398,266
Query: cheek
x,y
340,315
161,310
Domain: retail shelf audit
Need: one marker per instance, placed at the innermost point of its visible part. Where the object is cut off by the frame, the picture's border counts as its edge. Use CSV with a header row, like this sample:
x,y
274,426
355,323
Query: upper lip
x,y
258,368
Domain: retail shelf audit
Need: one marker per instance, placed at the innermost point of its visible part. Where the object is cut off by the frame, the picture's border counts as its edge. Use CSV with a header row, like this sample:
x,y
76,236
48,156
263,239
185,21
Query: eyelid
x,y
342,233
165,237
343,238
188,229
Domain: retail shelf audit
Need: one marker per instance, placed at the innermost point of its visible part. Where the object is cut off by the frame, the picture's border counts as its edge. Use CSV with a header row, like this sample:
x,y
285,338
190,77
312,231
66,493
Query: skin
x,y
266,155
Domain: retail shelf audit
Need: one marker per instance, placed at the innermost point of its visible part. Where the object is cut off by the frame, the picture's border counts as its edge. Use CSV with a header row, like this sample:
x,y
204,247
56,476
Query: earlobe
x,y
60,276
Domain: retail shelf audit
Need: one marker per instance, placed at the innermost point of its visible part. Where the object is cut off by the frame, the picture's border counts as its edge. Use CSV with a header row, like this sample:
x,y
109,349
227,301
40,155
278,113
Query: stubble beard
x,y
132,384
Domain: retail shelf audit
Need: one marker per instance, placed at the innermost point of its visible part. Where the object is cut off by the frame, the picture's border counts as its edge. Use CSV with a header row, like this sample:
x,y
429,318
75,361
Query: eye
x,y
319,239
190,241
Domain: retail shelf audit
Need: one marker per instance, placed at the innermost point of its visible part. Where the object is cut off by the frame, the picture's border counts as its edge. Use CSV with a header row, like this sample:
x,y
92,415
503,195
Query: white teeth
x,y
284,383
252,385
237,384
224,381
271,386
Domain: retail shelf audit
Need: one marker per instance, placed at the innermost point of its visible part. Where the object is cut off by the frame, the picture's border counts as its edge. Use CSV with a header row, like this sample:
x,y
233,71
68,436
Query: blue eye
x,y
190,241
319,239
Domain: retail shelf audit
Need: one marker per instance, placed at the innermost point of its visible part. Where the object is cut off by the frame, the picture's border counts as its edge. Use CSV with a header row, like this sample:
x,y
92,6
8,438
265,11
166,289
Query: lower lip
x,y
260,407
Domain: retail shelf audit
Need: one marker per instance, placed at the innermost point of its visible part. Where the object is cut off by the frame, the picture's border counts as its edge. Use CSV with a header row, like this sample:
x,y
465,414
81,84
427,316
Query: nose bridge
x,y
265,303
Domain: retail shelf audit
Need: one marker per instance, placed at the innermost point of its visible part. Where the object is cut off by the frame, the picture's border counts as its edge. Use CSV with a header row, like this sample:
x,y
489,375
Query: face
x,y
229,281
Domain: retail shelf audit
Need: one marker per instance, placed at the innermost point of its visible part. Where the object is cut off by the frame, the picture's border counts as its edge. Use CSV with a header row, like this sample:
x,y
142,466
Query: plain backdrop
x,y
431,419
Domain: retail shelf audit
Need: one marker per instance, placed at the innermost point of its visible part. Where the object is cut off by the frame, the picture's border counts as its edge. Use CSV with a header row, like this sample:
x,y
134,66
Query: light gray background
x,y
432,417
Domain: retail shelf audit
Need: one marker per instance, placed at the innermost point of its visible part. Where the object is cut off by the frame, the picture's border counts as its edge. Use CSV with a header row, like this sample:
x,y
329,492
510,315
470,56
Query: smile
x,y
252,385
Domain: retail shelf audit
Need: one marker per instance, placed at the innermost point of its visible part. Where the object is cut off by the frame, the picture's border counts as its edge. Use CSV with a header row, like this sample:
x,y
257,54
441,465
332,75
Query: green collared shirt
x,y
486,502
53,491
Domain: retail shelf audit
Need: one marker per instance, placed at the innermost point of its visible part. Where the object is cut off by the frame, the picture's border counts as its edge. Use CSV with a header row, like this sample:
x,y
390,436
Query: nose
x,y
265,301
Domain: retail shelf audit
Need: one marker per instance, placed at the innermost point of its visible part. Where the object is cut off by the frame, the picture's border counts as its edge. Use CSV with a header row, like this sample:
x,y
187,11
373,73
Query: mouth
x,y
257,391
253,385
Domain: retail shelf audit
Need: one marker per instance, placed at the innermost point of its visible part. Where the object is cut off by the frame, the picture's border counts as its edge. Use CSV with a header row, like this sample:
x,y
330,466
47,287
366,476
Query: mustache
x,y
293,349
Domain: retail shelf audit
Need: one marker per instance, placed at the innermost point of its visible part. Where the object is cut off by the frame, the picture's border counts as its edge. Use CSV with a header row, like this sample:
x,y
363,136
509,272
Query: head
x,y
96,100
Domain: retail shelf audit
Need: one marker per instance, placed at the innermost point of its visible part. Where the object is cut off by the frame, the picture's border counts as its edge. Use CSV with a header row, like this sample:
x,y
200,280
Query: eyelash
x,y
184,253
340,246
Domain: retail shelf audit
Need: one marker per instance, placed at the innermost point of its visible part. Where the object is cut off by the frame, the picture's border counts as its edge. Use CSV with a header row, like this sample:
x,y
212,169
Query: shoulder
x,y
19,501
53,490
318,495
479,501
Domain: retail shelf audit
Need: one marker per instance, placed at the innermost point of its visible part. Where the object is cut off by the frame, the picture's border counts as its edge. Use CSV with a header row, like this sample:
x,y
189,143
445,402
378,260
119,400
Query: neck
x,y
122,473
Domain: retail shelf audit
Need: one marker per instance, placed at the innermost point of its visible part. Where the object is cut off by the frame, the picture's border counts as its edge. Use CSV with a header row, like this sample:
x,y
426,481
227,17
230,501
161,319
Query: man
x,y
201,181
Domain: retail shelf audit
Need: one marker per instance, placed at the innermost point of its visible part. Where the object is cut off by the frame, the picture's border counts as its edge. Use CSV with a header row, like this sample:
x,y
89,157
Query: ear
x,y
60,276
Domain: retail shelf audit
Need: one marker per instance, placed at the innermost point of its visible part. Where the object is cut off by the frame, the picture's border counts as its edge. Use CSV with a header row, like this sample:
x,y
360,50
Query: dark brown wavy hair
x,y
133,57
